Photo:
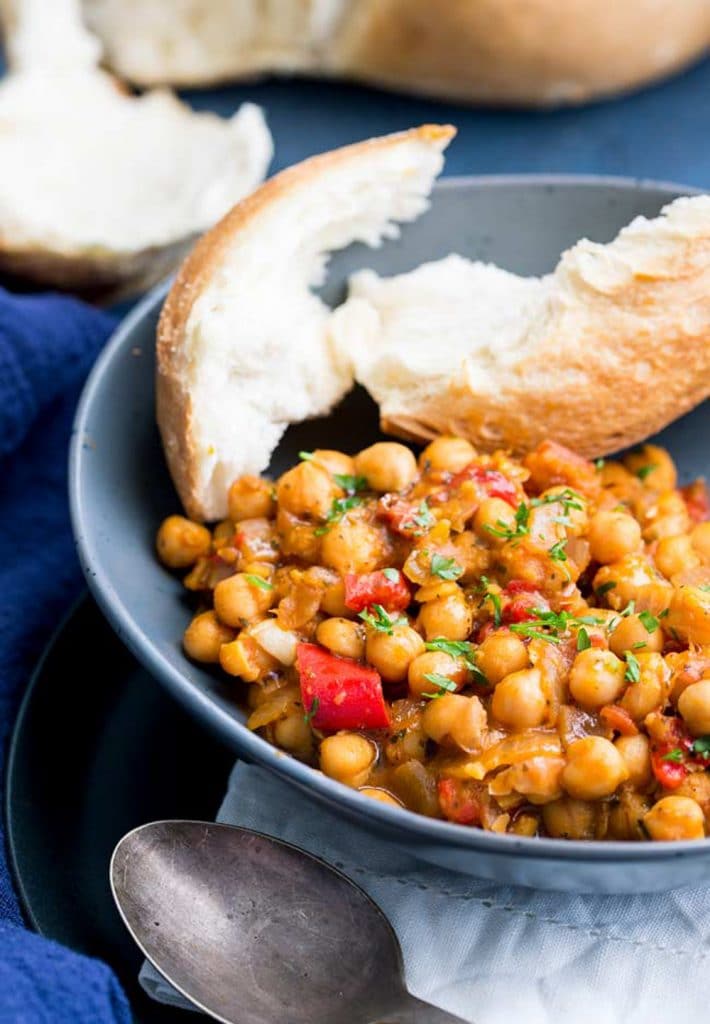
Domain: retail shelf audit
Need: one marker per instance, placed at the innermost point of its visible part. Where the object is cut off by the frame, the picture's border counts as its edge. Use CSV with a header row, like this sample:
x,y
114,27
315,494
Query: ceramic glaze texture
x,y
120,491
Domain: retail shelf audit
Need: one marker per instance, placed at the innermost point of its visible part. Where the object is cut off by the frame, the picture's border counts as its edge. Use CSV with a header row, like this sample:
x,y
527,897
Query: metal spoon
x,y
255,931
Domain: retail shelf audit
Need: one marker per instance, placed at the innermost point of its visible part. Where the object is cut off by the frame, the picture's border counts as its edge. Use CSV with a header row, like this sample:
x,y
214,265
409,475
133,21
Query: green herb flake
x,y
583,641
599,465
639,645
675,755
605,588
633,669
643,471
701,746
307,456
515,532
489,595
258,581
533,632
628,610
391,574
350,484
557,552
648,621
337,510
664,614
705,587
423,517
312,711
377,618
445,568
442,683
459,649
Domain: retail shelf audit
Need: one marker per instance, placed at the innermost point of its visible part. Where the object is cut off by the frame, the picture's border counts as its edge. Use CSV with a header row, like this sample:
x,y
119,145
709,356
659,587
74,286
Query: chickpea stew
x,y
518,645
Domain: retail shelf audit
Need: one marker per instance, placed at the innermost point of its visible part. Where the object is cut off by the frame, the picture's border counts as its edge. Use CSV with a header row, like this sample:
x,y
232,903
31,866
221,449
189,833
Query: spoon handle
x,y
416,1011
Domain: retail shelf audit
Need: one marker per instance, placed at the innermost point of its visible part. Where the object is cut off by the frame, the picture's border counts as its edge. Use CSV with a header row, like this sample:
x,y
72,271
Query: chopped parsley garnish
x,y
643,471
583,641
675,755
445,568
557,552
337,510
567,498
605,588
599,464
628,610
458,649
379,619
307,456
701,746
664,614
519,529
391,574
633,669
705,587
350,484
639,645
442,683
489,595
258,581
534,632
648,621
312,711
423,517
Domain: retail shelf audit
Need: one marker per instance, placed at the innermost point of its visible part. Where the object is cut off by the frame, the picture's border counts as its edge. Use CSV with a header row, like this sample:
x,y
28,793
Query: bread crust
x,y
173,402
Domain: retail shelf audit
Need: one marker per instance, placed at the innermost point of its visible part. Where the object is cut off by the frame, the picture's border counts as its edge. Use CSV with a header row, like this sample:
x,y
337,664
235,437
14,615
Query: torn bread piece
x,y
102,191
601,353
244,347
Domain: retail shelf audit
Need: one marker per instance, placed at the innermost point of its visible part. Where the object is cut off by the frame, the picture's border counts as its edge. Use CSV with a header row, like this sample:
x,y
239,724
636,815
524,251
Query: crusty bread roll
x,y
102,192
607,349
603,352
530,52
244,347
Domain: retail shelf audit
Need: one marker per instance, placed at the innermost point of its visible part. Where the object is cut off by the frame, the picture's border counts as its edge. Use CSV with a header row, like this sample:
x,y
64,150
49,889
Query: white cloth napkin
x,y
495,954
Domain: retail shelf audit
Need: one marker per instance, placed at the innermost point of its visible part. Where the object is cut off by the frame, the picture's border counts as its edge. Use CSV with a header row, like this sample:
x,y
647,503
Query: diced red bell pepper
x,y
338,693
618,719
458,801
670,774
367,588
493,482
399,514
697,500
519,600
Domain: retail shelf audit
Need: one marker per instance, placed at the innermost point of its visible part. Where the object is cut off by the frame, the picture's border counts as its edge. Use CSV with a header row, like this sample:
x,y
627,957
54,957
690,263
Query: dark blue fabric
x,y
47,345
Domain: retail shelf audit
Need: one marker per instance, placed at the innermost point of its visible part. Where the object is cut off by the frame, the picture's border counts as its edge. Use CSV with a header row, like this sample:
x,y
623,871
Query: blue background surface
x,y
662,133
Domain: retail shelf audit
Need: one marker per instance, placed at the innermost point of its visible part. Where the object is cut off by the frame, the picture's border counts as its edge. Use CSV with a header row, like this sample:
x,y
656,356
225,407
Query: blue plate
x,y
120,491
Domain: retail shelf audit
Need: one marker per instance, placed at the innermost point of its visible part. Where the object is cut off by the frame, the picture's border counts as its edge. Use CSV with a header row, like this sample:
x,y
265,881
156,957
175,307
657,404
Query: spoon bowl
x,y
253,930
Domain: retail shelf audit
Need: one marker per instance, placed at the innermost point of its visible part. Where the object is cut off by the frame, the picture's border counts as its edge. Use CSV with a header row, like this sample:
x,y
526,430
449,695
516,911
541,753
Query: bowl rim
x,y
407,823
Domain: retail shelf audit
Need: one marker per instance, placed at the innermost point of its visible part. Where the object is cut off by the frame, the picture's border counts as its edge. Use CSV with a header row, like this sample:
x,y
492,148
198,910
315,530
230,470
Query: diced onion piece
x,y
274,708
279,643
512,750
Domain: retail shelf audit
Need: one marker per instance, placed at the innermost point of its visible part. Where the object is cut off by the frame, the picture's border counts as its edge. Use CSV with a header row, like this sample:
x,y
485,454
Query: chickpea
x,y
296,537
334,461
519,701
613,535
343,637
353,545
382,795
654,466
570,819
700,539
596,678
238,600
307,490
462,720
204,637
449,616
294,734
447,454
387,466
180,542
594,769
674,554
493,514
675,817
347,757
636,753
651,689
441,664
392,654
333,600
689,614
630,633
250,497
501,654
694,706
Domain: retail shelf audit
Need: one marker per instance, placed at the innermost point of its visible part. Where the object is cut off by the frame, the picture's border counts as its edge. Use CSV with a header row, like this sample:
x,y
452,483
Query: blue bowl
x,y
120,491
